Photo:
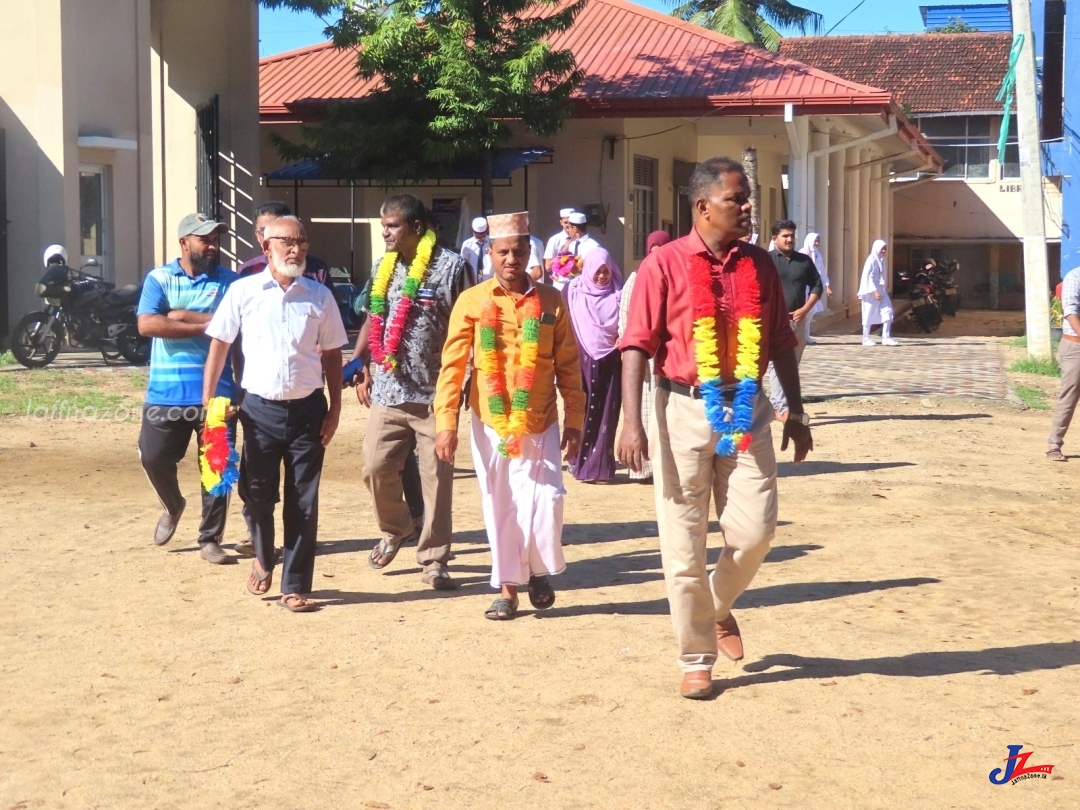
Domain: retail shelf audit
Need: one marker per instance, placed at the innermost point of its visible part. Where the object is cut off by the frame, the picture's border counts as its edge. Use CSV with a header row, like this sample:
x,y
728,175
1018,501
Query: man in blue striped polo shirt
x,y
177,303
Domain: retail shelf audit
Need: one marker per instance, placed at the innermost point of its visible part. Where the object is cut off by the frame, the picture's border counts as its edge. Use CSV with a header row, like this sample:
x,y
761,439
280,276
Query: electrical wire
x,y
845,16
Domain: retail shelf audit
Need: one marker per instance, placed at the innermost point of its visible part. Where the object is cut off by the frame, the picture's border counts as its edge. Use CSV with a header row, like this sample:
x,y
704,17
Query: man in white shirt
x,y
292,336
474,251
559,240
536,260
581,244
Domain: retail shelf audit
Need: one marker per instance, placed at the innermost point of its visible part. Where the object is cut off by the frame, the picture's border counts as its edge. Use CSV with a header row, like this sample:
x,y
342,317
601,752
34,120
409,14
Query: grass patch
x,y
62,394
7,359
1021,342
1032,397
1043,366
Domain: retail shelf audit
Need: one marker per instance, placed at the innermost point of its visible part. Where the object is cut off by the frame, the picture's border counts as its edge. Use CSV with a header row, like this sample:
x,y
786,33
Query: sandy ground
x,y
917,615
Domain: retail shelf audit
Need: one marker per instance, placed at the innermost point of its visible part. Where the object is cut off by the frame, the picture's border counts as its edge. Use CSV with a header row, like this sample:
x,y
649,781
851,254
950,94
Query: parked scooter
x,y
82,309
925,310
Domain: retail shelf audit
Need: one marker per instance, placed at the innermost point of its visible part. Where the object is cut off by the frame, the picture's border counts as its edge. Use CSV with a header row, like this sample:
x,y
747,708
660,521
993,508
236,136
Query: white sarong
x,y
523,504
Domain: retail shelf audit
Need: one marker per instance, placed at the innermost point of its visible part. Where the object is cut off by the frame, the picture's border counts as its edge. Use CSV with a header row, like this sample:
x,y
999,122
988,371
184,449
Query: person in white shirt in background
x,y
474,251
812,248
581,244
876,305
292,336
558,240
536,260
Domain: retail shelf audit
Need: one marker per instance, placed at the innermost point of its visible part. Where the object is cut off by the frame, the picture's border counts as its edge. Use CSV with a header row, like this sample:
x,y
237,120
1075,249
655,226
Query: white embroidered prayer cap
x,y
577,218
565,212
480,225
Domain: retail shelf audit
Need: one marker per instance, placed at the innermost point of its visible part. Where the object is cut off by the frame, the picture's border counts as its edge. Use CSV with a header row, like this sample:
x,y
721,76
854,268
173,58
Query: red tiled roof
x,y
930,73
636,62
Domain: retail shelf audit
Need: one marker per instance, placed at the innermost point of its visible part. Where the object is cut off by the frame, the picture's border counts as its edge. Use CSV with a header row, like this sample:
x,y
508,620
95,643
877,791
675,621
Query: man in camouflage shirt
x,y
400,398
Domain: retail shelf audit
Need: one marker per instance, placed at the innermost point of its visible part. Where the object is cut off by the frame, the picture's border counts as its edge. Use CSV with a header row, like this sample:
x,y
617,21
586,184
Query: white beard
x,y
291,269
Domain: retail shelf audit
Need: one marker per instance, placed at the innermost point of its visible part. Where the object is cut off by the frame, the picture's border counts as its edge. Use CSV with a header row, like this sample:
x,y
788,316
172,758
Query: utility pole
x,y
1036,275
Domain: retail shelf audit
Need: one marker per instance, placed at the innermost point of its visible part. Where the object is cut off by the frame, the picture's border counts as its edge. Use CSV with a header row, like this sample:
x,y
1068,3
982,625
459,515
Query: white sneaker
x,y
868,342
889,342
811,342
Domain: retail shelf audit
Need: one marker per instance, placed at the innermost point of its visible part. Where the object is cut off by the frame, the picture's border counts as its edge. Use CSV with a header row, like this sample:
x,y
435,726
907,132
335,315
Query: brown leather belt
x,y
1070,338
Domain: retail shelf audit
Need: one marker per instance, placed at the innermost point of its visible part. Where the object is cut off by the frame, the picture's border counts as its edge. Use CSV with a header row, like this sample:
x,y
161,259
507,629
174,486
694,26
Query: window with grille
x,y
646,180
206,158
964,142
1010,169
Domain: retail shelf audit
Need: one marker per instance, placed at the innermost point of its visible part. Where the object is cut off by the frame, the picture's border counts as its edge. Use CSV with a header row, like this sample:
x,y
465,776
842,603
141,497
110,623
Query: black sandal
x,y
541,594
502,609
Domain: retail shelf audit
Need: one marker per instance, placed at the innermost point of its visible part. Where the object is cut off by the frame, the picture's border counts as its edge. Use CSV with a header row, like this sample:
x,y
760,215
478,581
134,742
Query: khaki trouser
x,y
687,472
389,438
1069,394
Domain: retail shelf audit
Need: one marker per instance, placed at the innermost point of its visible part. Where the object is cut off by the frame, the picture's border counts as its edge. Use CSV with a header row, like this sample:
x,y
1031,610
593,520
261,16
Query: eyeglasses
x,y
290,242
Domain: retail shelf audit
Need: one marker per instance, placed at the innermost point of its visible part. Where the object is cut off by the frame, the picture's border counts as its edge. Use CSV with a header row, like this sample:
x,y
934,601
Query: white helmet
x,y
52,251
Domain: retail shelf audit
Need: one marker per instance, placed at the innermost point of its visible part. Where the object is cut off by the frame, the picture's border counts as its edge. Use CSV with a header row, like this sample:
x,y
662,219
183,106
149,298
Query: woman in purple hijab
x,y
593,301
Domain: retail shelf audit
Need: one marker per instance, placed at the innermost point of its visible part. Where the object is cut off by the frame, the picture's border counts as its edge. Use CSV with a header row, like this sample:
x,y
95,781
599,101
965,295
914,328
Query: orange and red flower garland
x,y
510,426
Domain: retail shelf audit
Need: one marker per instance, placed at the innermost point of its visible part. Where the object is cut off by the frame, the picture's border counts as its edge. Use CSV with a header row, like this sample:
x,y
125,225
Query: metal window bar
x,y
645,182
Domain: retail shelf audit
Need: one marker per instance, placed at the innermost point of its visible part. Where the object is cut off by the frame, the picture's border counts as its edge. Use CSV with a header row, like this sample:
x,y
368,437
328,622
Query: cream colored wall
x,y
32,116
202,48
576,177
72,68
666,140
958,209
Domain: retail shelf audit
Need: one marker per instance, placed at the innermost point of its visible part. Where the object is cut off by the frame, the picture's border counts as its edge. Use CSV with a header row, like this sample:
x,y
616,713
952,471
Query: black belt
x,y
692,391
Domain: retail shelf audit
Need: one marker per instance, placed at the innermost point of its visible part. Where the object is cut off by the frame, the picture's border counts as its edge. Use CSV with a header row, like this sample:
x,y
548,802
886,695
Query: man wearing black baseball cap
x,y
177,303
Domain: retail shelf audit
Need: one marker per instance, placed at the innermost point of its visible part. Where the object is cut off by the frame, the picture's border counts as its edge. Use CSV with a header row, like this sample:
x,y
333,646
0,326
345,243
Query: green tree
x,y
754,21
451,76
955,25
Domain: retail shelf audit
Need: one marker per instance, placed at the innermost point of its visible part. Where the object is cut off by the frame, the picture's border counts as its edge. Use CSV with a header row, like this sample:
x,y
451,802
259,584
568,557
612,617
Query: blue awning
x,y
507,161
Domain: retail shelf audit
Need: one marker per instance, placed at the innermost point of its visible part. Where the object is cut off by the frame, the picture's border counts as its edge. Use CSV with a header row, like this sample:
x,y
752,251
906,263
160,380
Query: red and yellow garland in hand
x,y
510,426
384,338
733,425
218,459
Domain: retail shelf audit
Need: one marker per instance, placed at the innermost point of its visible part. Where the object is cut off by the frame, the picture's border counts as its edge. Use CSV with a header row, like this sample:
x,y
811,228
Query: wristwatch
x,y
801,418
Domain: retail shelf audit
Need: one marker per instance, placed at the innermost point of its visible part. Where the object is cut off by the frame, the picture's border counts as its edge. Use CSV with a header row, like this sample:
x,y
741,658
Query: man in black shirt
x,y
797,275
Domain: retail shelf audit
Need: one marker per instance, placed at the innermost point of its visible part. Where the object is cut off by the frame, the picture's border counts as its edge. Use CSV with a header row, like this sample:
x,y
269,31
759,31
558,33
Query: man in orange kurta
x,y
522,491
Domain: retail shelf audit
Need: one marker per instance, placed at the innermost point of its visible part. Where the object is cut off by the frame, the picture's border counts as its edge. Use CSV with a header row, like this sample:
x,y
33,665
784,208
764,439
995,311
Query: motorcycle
x,y
82,309
942,274
925,310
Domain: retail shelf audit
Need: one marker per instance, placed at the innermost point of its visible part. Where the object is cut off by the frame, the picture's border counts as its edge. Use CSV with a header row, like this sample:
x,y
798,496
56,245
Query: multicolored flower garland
x,y
384,339
734,425
566,266
510,427
218,459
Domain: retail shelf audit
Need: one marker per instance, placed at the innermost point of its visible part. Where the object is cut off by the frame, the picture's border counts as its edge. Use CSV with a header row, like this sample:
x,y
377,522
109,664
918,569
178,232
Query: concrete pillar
x,y
834,237
853,232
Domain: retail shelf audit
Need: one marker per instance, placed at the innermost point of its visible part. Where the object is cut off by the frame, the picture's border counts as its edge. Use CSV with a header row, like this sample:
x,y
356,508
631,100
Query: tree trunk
x,y
749,162
487,186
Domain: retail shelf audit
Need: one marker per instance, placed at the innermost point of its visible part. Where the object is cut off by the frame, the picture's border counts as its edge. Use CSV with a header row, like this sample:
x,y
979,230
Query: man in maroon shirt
x,y
687,469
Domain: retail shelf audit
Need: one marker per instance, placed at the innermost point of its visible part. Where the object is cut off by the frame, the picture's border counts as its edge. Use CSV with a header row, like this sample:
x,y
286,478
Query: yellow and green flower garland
x,y
510,426
384,339
734,426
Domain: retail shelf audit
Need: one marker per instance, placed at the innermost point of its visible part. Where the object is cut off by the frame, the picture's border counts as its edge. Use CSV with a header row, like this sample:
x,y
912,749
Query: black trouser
x,y
164,437
276,431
